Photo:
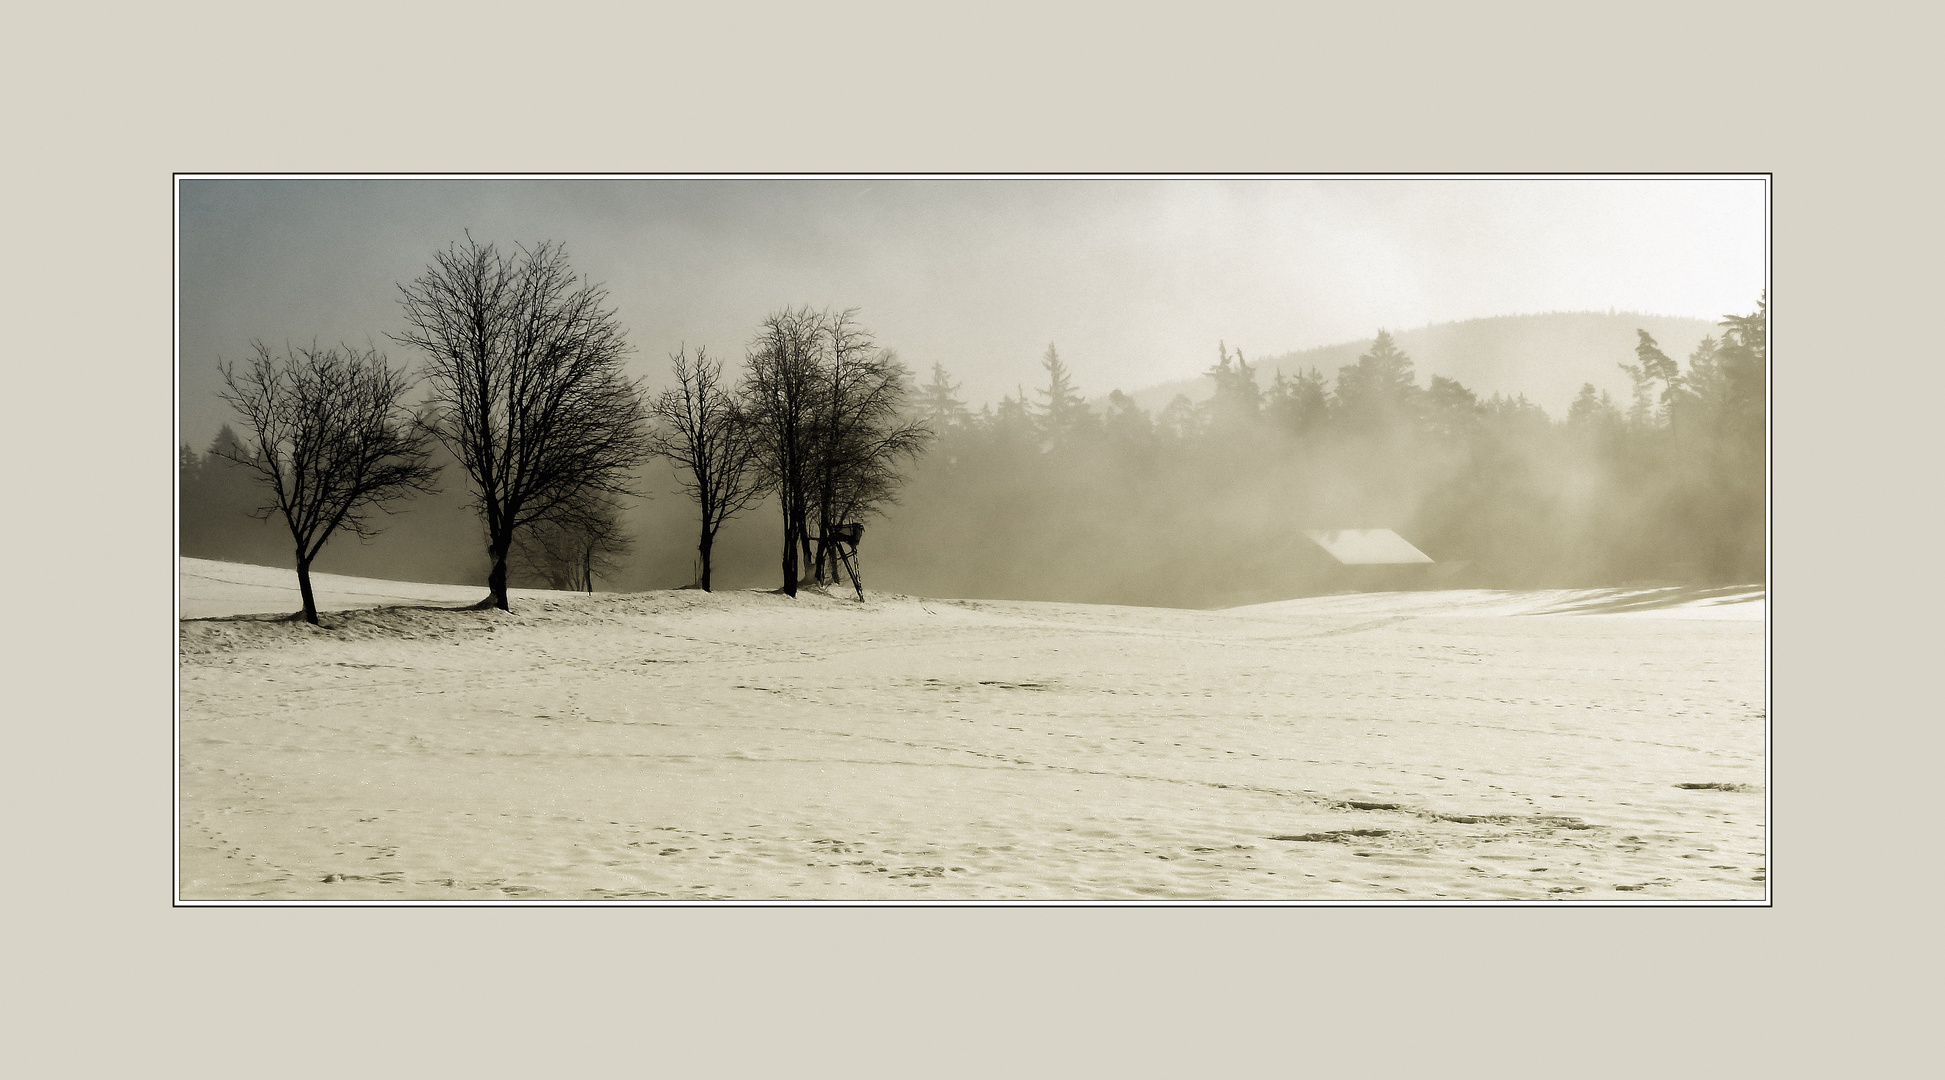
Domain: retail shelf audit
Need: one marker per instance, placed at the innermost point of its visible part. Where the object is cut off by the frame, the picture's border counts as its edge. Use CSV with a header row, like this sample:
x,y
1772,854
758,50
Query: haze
x,y
1134,279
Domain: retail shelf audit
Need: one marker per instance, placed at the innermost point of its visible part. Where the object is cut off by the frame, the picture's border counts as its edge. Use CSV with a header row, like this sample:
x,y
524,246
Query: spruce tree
x,y
1237,402
1065,413
1651,410
1380,391
939,403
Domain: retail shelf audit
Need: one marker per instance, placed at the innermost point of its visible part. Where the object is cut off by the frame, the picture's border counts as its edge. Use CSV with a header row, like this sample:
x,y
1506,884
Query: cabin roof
x,y
1367,547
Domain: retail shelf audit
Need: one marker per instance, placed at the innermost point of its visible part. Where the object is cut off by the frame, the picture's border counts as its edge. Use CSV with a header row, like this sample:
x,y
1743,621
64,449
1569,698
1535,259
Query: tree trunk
x,y
496,579
304,586
803,541
703,549
827,570
789,556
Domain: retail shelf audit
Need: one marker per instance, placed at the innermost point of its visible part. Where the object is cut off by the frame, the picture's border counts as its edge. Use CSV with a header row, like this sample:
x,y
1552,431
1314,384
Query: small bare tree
x,y
331,441
703,431
569,549
525,365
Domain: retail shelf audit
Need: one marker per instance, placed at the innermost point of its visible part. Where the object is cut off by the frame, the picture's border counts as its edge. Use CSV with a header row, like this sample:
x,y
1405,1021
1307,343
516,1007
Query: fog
x,y
1137,281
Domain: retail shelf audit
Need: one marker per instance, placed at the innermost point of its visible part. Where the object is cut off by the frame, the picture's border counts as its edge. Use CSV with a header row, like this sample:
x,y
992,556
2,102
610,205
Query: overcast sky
x,y
1134,280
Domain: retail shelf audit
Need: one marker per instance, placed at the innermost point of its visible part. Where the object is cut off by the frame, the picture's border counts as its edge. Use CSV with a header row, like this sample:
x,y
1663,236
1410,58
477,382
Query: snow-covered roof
x,y
1367,547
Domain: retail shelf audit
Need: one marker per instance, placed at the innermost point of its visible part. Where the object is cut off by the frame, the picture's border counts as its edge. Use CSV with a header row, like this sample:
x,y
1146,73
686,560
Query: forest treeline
x,y
1039,496
1207,504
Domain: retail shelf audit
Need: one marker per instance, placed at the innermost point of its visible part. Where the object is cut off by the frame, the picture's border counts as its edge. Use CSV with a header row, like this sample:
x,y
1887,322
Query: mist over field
x,y
1197,507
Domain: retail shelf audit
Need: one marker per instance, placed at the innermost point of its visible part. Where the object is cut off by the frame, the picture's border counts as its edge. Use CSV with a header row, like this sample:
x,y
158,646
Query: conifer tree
x,y
1237,401
1297,406
1126,422
1451,410
1064,414
1651,410
1180,418
1380,390
1742,360
1593,411
939,404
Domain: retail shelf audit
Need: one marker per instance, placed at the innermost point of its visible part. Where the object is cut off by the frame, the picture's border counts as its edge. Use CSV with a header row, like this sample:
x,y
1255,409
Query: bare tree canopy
x,y
862,432
331,441
704,433
525,366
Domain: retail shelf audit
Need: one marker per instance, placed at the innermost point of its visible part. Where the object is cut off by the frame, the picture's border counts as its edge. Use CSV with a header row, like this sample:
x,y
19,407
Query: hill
x,y
1547,357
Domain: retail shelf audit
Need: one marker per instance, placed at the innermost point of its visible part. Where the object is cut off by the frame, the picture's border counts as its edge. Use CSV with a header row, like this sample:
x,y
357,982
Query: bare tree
x,y
862,433
329,439
527,386
706,435
779,396
577,543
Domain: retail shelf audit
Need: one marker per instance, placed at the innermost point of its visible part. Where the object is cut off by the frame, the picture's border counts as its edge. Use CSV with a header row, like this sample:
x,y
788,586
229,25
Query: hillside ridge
x,y
1547,356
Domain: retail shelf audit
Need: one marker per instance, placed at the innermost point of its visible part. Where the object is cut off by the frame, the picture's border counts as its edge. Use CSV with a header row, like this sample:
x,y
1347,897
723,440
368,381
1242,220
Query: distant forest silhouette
x,y
1199,504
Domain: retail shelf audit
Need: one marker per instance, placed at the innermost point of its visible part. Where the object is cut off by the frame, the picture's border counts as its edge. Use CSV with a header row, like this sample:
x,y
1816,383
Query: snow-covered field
x,y
213,589
1569,745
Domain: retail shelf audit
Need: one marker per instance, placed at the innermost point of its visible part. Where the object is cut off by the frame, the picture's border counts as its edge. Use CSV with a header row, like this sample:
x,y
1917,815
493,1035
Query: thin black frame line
x,y
948,175
1769,762
175,540
1181,903
1769,543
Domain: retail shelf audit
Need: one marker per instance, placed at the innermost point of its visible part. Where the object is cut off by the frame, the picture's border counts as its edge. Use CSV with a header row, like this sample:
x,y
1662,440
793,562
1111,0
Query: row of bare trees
x,y
527,391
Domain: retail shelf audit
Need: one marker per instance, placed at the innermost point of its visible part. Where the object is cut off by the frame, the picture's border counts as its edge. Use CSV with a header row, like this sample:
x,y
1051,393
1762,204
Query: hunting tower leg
x,y
850,565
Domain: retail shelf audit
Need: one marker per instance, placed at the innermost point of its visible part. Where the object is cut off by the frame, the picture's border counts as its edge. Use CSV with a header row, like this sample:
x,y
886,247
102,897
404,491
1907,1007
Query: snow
x,y
1741,603
746,746
212,589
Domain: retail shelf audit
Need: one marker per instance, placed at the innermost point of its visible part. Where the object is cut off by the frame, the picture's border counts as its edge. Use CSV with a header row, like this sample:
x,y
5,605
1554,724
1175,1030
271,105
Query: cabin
x,y
1373,560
